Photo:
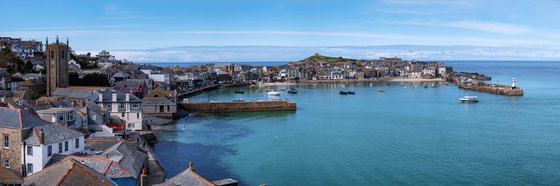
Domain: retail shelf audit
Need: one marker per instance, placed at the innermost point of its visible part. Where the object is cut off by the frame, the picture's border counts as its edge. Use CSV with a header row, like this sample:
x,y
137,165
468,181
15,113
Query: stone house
x,y
160,103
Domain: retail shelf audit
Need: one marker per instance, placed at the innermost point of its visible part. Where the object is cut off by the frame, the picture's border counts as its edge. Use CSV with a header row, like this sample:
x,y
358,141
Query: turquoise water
x,y
403,136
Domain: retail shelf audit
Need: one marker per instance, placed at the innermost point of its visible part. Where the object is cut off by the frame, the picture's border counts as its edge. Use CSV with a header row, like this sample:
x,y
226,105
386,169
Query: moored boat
x,y
381,90
469,99
292,91
273,93
343,92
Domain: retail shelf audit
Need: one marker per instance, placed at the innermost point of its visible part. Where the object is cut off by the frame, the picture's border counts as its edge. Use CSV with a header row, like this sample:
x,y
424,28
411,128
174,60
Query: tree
x,y
34,96
28,67
74,79
95,79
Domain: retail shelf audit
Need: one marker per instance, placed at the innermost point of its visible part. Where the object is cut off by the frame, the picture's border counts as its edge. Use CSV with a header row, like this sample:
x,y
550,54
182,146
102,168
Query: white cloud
x,y
501,28
276,53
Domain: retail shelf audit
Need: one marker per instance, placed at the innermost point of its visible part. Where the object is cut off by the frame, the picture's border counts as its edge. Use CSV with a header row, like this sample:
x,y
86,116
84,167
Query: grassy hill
x,y
321,58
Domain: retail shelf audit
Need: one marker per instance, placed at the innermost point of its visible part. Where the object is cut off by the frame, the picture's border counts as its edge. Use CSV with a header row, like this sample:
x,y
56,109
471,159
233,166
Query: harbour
x,y
403,136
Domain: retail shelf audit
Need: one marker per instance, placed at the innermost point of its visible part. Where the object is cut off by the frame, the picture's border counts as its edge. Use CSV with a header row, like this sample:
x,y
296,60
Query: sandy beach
x,y
415,80
353,81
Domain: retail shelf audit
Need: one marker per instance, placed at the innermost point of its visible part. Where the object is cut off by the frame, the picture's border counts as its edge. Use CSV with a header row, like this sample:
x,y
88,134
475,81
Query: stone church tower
x,y
58,55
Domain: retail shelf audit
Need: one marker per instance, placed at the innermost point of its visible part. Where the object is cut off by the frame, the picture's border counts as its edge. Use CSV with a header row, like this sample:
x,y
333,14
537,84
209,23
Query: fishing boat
x,y
292,91
239,91
381,90
469,99
273,93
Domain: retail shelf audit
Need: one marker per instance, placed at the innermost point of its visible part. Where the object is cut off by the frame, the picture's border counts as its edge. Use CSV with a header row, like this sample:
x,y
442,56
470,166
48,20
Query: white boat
x,y
273,93
469,99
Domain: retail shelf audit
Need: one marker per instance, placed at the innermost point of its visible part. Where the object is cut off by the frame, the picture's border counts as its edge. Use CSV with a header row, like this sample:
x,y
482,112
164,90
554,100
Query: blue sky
x,y
158,30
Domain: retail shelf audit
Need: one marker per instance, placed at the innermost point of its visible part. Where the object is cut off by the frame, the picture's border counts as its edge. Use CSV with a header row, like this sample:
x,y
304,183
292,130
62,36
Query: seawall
x,y
239,106
493,88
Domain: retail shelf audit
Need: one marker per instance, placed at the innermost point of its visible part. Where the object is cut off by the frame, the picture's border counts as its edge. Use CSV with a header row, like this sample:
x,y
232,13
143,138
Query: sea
x,y
404,136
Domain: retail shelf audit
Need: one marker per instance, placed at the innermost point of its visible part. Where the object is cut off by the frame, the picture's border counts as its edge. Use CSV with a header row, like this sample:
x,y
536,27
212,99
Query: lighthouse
x,y
513,83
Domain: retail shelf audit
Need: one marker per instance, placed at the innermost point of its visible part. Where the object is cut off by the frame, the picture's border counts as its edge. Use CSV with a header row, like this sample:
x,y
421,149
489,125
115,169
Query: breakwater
x,y
493,88
239,106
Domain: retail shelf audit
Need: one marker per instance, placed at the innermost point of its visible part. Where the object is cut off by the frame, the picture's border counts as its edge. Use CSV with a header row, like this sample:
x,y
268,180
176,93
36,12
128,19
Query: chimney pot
x,y
127,97
114,97
42,137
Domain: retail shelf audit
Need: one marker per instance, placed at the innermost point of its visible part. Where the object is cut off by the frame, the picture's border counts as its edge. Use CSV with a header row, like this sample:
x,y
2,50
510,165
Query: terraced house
x,y
124,105
28,142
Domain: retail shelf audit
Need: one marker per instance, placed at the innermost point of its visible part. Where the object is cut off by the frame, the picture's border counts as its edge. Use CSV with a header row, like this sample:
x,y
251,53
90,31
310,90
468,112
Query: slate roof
x,y
68,172
128,157
20,104
71,93
121,97
32,82
54,133
101,143
156,101
18,118
102,165
127,84
187,177
9,176
121,75
94,109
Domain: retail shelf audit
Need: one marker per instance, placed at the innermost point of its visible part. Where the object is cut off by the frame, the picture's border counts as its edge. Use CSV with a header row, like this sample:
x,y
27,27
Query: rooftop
x,y
68,172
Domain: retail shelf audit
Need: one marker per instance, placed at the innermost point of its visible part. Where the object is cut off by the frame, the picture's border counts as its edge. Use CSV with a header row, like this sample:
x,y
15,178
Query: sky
x,y
257,30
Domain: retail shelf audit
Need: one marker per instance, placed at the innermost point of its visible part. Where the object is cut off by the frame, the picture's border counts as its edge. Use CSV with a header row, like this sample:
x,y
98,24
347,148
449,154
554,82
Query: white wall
x,y
39,158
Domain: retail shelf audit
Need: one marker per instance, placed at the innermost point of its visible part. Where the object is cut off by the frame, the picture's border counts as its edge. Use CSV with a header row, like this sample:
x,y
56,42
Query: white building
x,y
65,116
165,78
125,106
104,65
49,139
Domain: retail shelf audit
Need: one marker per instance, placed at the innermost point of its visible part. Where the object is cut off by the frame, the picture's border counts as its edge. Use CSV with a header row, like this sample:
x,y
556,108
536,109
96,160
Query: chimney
x,y
191,166
114,97
127,97
100,97
42,137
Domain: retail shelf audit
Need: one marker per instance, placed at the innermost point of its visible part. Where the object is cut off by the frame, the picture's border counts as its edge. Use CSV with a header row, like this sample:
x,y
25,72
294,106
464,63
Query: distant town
x,y
64,115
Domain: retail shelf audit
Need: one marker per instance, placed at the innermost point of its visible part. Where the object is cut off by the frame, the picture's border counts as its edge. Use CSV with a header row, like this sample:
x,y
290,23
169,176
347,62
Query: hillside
x,y
321,58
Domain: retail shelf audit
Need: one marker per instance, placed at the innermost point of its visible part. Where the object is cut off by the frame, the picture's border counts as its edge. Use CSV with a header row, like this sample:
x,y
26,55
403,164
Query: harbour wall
x,y
493,88
239,106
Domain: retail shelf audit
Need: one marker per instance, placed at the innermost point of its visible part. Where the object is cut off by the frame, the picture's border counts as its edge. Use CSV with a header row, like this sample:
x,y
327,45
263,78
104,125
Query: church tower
x,y
58,55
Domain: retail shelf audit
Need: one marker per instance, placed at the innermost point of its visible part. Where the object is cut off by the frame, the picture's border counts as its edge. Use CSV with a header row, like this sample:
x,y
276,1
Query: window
x,y
30,150
61,117
6,141
70,116
137,115
29,168
59,147
94,117
49,150
77,142
6,163
65,146
121,105
135,106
